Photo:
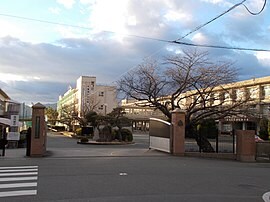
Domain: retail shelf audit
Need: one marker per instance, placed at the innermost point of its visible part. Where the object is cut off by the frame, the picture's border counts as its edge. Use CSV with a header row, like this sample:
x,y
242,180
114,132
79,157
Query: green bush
x,y
115,135
126,135
78,131
84,139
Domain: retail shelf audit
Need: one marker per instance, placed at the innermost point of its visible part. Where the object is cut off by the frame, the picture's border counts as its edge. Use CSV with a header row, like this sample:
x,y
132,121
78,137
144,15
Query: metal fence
x,y
263,150
222,143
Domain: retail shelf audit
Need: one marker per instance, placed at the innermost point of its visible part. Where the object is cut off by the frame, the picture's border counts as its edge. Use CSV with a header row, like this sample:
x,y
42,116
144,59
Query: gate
x,y
221,143
160,135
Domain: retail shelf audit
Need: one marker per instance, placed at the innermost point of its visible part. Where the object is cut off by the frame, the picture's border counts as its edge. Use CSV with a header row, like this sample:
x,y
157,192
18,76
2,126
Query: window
x,y
101,107
265,91
101,94
240,94
252,92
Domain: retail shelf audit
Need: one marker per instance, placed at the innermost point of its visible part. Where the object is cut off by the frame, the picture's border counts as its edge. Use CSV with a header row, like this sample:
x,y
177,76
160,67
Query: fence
x,y
263,150
222,143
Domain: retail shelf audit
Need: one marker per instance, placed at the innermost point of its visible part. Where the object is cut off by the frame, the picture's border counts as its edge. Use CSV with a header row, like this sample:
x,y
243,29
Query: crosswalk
x,y
18,181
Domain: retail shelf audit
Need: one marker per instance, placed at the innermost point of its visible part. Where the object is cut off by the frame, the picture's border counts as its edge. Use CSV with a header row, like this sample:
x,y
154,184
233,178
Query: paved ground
x,y
78,173
62,146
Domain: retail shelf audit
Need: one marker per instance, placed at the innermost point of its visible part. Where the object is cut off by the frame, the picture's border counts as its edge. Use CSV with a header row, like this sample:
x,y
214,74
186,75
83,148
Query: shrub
x,y
263,133
126,135
78,131
84,139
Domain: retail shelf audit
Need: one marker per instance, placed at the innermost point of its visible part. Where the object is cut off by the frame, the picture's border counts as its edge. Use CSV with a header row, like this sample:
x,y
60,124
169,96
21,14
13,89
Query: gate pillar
x,y
178,132
245,145
38,132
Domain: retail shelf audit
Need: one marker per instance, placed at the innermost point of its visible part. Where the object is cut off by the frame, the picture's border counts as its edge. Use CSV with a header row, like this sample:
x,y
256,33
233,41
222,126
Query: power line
x,y
217,46
136,36
208,22
220,15
77,26
252,13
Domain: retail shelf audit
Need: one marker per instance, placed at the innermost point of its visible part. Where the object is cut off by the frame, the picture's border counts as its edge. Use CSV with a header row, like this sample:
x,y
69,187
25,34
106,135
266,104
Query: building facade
x,y
257,90
89,96
8,108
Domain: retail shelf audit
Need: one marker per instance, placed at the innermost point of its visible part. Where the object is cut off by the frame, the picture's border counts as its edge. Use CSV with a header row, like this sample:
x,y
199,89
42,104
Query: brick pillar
x,y
245,145
178,132
38,133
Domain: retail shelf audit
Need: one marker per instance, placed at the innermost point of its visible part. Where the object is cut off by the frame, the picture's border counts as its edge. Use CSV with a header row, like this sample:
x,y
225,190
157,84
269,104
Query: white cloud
x,y
111,16
213,1
6,78
10,29
85,2
55,10
200,38
66,3
263,58
176,16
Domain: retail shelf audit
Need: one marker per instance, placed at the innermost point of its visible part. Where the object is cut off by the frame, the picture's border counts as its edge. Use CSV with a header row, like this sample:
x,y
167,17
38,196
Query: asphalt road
x,y
98,176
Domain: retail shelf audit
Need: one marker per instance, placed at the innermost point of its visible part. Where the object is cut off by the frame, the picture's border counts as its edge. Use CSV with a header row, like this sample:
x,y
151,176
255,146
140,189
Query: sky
x,y
46,45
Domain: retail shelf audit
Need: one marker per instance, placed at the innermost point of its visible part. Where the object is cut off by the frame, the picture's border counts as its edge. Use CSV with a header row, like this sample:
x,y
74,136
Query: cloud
x,y
55,11
213,1
39,58
33,92
11,29
66,3
264,58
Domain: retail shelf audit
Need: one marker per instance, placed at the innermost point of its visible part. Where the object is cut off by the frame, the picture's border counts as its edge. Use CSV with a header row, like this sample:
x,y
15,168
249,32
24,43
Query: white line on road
x,y
7,179
266,197
18,167
18,170
18,193
15,185
15,174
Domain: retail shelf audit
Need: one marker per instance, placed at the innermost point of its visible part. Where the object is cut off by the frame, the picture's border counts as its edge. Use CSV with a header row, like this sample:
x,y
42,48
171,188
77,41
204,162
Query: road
x,y
91,173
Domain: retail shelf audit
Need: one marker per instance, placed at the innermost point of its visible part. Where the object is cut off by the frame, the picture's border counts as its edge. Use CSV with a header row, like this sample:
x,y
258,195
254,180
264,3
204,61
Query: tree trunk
x,y
202,141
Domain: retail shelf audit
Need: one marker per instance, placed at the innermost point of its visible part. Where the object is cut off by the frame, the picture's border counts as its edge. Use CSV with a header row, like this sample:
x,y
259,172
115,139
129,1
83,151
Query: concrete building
x,y
89,96
8,108
258,90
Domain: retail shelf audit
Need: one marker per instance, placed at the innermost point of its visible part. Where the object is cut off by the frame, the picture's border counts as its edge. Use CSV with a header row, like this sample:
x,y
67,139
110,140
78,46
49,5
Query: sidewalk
x,y
14,153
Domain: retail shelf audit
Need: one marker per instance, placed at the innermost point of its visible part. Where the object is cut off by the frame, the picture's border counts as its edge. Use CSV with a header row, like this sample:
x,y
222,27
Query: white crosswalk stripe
x,y
18,181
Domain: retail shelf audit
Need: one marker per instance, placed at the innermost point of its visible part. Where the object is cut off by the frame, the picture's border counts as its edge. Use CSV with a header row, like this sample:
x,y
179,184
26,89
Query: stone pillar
x,y
245,145
38,133
178,132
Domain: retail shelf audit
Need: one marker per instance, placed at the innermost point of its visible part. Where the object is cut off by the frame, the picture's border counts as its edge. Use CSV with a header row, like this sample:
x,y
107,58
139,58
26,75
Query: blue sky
x,y
38,61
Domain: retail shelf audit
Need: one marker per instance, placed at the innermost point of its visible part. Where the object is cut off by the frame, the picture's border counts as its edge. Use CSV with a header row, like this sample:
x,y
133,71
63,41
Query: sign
x,y
14,119
13,136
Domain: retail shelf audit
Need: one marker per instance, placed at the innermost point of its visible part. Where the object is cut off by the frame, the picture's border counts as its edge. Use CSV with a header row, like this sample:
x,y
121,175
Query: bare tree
x,y
89,106
52,115
68,114
190,81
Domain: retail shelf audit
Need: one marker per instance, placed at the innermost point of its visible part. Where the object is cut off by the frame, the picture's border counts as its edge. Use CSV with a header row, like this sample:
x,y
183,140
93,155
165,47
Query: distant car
x,y
258,139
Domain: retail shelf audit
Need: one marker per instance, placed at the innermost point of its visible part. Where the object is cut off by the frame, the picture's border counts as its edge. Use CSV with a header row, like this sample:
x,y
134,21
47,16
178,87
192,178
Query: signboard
x,y
13,136
13,133
14,119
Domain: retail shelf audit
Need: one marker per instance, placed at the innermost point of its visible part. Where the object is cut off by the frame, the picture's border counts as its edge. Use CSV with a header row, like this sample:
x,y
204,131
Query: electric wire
x,y
177,42
208,22
252,13
220,47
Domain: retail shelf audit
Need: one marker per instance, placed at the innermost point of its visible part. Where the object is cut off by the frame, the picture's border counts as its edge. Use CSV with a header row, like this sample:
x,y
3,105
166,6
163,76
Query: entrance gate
x,y
160,135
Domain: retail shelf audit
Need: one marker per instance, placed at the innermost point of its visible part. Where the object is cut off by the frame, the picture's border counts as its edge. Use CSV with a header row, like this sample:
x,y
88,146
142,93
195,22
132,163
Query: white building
x,y
88,96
